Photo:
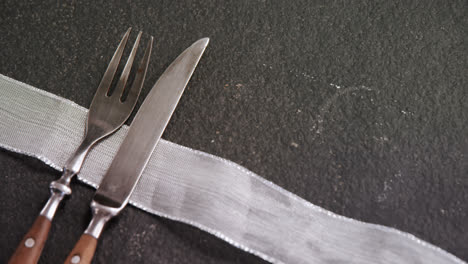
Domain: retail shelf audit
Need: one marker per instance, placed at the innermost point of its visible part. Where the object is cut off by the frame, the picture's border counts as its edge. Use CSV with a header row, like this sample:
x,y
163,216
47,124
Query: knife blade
x,y
135,151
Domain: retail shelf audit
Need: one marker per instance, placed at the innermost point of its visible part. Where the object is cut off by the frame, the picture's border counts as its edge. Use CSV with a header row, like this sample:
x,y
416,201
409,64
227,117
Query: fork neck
x,y
75,162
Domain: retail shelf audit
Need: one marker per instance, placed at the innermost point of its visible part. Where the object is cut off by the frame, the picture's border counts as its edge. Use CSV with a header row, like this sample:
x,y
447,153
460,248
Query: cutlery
x,y
106,114
136,149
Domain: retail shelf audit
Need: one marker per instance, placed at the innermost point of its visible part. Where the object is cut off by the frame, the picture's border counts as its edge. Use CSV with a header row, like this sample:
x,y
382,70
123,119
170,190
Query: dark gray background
x,y
388,146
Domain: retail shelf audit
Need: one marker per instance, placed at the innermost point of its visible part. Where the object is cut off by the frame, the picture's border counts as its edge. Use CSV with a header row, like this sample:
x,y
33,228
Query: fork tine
x,y
140,75
112,68
128,66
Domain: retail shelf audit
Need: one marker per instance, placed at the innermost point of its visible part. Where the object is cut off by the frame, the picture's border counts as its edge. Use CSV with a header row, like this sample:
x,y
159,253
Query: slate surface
x,y
357,106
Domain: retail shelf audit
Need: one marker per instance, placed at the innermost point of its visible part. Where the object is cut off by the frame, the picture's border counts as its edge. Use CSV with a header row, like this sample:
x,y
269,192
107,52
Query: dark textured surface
x,y
359,107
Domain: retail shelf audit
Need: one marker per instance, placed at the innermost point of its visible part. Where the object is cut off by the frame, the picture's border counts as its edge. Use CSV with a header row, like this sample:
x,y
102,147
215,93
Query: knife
x,y
136,149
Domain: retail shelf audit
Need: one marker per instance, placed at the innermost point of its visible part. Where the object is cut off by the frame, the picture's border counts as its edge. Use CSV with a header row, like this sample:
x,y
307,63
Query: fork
x,y
106,114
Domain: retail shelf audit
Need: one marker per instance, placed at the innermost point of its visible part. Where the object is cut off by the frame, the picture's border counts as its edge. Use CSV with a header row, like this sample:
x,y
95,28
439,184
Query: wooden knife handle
x,y
30,248
83,251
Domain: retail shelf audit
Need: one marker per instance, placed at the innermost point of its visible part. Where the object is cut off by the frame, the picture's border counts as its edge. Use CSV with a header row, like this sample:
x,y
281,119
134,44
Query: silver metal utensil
x,y
136,149
106,114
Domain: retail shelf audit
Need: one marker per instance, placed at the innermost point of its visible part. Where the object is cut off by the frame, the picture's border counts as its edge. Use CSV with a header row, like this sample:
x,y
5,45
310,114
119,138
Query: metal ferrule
x,y
61,187
52,204
58,189
101,214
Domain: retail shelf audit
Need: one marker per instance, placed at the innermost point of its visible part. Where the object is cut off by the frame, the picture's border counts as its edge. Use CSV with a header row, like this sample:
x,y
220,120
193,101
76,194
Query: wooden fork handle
x,y
30,248
83,251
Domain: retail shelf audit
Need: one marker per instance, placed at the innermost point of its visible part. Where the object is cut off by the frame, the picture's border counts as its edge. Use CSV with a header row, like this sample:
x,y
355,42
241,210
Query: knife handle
x,y
30,248
83,251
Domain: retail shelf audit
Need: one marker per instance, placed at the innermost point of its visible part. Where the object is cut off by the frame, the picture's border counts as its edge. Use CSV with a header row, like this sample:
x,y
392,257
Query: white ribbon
x,y
211,193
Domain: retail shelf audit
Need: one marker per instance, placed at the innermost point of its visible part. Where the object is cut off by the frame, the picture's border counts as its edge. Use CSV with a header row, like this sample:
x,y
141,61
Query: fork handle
x,y
30,248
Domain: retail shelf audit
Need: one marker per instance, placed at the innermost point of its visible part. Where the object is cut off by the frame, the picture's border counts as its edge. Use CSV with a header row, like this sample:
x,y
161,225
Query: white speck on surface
x,y
307,75
383,195
294,144
381,139
295,72
325,107
336,86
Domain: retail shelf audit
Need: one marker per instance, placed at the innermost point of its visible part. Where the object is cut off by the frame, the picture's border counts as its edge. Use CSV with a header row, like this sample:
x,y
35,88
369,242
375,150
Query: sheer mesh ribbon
x,y
211,193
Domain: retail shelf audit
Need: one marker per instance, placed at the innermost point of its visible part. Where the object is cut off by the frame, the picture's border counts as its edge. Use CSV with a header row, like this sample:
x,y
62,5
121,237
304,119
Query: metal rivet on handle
x,y
29,243
75,259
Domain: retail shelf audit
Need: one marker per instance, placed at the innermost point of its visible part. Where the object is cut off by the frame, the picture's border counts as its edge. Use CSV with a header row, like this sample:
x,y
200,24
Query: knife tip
x,y
203,42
